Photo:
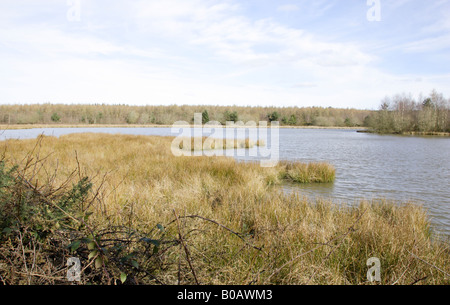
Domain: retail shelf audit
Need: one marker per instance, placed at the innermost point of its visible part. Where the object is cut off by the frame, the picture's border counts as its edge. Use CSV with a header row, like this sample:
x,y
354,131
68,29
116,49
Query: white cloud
x,y
241,40
305,85
433,44
192,52
288,8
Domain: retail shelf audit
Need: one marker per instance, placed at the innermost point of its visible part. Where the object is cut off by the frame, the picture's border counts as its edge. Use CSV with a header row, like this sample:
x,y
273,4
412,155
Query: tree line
x,y
403,113
167,115
399,114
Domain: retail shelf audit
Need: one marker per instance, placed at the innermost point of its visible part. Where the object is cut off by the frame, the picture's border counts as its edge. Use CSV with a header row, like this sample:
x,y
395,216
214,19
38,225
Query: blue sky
x,y
250,53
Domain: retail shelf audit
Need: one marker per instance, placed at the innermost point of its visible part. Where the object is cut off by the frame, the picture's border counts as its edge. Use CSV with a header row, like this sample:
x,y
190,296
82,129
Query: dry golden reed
x,y
236,224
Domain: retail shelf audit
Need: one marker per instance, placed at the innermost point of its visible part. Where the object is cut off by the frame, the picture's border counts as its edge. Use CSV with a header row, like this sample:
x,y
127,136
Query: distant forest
x,y
397,115
167,115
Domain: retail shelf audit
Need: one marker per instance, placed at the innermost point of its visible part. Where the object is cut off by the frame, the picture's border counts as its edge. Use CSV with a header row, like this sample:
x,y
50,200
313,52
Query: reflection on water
x,y
368,166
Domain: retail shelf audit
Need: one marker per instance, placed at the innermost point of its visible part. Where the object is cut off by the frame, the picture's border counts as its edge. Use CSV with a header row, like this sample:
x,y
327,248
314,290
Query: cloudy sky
x,y
229,52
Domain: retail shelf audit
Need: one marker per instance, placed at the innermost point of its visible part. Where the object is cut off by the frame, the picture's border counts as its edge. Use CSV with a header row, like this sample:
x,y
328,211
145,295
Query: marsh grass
x,y
210,220
206,143
314,172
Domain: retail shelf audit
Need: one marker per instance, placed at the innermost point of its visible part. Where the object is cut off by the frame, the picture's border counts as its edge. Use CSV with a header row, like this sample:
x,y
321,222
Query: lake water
x,y
368,166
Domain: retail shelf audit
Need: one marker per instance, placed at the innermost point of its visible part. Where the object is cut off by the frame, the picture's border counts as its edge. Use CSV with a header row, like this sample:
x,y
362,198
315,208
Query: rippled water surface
x,y
368,165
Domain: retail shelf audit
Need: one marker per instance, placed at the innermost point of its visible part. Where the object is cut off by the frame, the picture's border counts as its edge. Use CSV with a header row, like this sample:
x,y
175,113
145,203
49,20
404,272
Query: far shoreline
x,y
36,126
360,129
409,133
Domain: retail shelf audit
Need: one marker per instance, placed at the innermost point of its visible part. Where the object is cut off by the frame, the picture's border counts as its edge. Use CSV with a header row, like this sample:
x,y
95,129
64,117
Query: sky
x,y
327,53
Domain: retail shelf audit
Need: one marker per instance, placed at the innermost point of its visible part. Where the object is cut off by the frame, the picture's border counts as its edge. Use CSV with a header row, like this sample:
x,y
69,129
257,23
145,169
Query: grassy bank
x,y
134,213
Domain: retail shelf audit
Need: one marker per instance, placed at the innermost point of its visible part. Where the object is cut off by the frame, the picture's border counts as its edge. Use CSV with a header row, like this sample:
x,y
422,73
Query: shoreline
x,y
94,126
35,126
409,133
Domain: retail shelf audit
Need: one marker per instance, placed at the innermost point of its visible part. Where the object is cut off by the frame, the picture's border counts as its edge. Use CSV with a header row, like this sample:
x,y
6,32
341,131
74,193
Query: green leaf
x,y
91,245
86,216
92,254
135,264
160,227
98,262
74,246
123,277
151,241
7,230
86,240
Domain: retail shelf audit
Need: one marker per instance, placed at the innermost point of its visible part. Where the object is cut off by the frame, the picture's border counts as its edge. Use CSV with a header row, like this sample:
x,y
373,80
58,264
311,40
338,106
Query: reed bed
x,y
153,218
206,143
314,172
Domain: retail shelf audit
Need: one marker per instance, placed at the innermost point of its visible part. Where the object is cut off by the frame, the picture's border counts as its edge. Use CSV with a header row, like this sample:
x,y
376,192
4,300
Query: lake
x,y
368,166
